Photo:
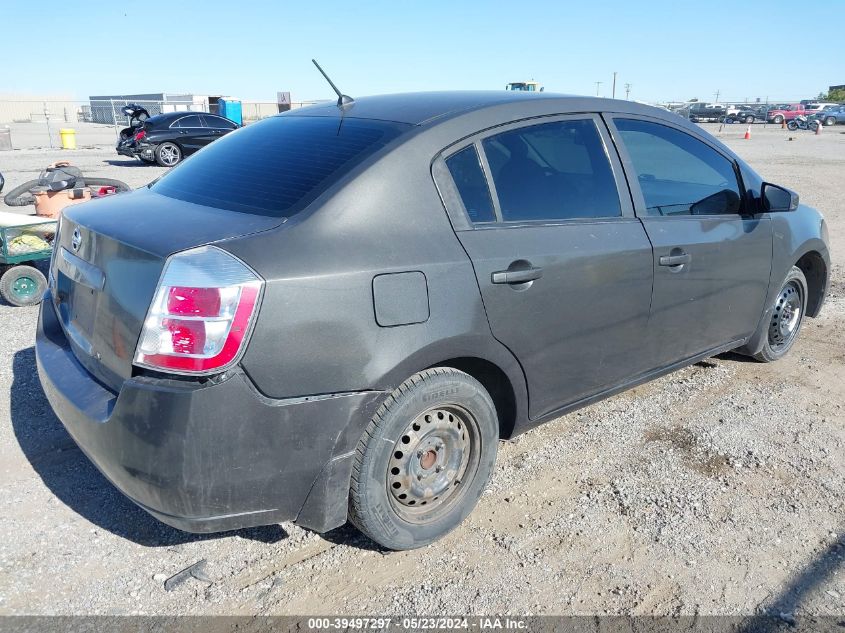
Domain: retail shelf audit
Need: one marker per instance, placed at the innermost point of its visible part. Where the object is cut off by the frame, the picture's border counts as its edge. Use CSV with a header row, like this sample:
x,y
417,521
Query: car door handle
x,y
516,276
675,260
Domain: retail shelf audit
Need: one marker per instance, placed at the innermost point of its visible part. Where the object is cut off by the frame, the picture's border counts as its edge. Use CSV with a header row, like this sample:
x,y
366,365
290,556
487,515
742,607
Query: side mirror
x,y
775,198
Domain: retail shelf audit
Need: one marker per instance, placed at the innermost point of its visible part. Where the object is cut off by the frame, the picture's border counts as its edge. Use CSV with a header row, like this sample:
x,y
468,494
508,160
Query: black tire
x,y
785,319
20,196
168,154
23,286
830,121
749,120
792,125
409,488
778,119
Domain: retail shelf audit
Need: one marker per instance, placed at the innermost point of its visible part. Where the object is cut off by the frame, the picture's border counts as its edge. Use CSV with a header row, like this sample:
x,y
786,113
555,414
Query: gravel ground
x,y
715,490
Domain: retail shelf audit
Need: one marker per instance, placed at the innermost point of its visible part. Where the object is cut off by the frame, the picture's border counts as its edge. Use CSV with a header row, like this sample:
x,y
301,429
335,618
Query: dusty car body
x,y
431,272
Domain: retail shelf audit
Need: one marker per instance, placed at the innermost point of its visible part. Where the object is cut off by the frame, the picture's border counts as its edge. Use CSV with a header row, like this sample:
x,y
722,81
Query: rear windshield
x,y
277,166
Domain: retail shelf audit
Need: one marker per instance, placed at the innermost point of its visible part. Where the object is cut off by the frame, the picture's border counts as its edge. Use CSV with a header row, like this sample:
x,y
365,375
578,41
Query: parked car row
x,y
702,112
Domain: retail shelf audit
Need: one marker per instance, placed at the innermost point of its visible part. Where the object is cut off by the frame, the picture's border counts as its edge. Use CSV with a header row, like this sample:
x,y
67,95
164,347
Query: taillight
x,y
201,314
139,135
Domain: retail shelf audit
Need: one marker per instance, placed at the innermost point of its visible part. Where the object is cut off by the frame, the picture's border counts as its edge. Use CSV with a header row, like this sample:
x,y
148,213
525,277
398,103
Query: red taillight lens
x,y
140,135
201,315
202,302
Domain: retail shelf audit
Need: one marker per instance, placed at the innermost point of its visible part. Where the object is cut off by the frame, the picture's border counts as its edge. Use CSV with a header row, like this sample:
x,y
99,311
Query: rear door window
x,y
218,122
189,121
468,175
677,173
277,166
552,171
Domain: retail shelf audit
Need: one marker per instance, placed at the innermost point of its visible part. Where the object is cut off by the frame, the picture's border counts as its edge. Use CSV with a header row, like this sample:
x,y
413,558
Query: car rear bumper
x,y
208,457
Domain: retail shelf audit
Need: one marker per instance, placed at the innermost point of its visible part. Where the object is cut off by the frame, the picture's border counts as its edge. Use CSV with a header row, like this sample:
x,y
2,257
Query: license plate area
x,y
78,286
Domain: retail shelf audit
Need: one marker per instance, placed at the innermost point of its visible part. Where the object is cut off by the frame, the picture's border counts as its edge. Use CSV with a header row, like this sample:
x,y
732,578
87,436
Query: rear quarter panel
x,y
317,331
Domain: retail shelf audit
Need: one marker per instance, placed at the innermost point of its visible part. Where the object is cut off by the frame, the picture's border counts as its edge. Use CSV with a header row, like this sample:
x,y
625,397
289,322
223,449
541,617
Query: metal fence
x,y
36,124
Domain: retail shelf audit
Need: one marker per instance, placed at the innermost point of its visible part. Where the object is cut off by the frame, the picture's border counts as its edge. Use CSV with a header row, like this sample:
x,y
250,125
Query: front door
x,y
563,265
712,259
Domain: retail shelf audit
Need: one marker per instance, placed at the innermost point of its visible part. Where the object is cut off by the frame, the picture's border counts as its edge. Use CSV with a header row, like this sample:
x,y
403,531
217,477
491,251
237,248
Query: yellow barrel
x,y
68,138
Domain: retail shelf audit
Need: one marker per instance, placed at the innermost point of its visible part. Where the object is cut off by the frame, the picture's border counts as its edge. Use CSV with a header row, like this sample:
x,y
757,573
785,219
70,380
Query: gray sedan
x,y
336,313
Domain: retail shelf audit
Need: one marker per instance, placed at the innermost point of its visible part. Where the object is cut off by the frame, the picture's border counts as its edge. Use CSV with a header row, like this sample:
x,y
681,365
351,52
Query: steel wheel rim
x,y
437,453
24,287
786,316
169,155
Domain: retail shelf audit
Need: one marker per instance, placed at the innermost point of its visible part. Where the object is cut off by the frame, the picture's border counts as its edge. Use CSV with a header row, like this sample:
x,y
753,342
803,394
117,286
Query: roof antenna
x,y
342,99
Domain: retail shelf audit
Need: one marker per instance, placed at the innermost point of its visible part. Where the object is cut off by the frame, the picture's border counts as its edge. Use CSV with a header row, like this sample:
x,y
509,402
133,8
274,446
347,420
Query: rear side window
x,y
277,166
677,173
552,171
472,185
218,122
188,121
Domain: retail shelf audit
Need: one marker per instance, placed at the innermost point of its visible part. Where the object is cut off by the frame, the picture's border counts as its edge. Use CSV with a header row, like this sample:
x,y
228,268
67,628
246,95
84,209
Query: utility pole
x,y
717,93
614,85
627,91
598,83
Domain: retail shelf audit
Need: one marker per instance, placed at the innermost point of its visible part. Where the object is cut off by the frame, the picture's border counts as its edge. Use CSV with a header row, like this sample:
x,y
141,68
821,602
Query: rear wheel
x,y
23,285
786,317
830,121
749,119
168,154
424,459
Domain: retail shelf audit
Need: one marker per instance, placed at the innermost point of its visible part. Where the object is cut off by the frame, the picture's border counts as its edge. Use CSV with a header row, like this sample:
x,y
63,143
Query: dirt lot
x,y
716,490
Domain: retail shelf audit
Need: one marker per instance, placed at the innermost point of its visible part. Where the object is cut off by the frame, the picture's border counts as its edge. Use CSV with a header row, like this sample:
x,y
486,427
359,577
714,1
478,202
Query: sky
x,y
252,49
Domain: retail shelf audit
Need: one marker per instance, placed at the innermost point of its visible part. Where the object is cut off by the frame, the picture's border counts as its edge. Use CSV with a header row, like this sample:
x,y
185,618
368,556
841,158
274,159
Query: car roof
x,y
167,116
422,108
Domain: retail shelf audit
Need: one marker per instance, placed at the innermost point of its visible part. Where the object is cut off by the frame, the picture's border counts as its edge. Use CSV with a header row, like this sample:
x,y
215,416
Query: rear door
x,y
712,259
216,126
190,133
563,265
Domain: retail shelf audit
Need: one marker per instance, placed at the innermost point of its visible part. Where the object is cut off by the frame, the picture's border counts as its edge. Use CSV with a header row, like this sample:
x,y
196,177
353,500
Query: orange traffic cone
x,y
747,136
819,128
783,124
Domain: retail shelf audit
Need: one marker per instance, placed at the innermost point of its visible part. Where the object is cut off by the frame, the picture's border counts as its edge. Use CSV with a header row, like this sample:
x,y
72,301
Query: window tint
x,y
552,171
472,185
218,122
189,121
277,166
678,174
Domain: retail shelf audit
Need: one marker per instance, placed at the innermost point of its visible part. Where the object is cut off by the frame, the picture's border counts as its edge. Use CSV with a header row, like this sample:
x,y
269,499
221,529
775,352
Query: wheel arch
x,y
497,384
815,270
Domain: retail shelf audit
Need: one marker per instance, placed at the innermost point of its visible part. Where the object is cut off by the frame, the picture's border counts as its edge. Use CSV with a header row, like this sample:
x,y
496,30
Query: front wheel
x,y
424,460
787,315
778,119
168,154
749,119
792,125
23,285
830,121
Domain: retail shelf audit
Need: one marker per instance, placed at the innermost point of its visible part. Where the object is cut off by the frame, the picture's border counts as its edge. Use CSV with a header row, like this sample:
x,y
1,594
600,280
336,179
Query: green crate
x,y
25,243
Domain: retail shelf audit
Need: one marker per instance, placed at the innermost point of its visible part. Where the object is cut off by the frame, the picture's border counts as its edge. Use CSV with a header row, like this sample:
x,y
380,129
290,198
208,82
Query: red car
x,y
788,113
